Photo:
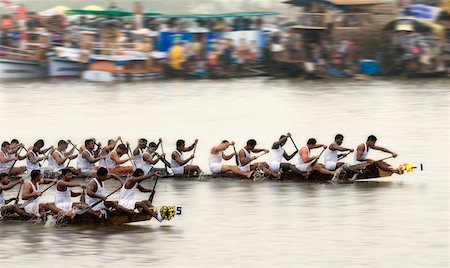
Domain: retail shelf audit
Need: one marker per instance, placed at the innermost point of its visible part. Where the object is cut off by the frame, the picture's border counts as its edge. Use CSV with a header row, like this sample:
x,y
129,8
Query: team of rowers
x,y
144,157
92,156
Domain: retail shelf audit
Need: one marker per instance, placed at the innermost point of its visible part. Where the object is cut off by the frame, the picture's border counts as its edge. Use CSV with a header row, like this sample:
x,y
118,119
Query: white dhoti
x,y
215,168
245,168
274,166
128,204
178,170
303,167
65,206
99,207
330,165
32,208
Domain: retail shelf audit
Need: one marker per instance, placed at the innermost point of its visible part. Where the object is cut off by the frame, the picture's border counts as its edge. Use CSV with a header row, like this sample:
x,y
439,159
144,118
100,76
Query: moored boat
x,y
67,62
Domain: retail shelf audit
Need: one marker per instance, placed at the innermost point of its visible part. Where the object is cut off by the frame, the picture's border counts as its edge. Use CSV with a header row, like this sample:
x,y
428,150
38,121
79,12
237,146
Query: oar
x,y
293,143
364,165
344,155
83,197
18,193
236,156
258,156
31,200
195,147
315,161
46,156
150,198
164,159
96,203
18,154
128,154
75,149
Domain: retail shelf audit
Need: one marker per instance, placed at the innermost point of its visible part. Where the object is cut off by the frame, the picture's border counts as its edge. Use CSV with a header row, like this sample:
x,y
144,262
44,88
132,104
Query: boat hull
x,y
22,69
65,68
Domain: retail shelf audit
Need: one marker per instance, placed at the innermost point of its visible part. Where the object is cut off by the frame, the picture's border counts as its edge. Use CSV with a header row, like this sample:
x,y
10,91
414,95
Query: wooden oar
x,y
150,198
31,200
258,156
128,154
46,156
195,147
18,154
83,197
18,193
166,164
236,156
75,149
293,143
315,161
96,203
366,164
343,156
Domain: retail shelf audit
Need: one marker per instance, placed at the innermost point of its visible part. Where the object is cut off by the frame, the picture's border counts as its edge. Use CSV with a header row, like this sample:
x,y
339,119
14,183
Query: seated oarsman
x,y
33,158
215,160
31,191
96,151
8,155
363,149
4,207
107,151
304,161
277,153
138,152
126,197
179,164
331,153
96,191
150,158
113,161
246,159
87,159
64,194
57,159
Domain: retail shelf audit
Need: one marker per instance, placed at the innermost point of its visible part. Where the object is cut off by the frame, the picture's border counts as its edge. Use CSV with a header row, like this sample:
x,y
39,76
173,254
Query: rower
x,y
114,162
363,149
96,191
331,153
138,152
33,158
179,165
31,191
86,160
8,156
277,154
246,159
107,151
63,194
126,198
96,151
215,161
304,160
57,159
4,207
150,158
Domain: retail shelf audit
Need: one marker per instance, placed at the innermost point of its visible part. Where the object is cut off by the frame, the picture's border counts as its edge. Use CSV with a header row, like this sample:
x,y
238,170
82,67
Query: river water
x,y
399,222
